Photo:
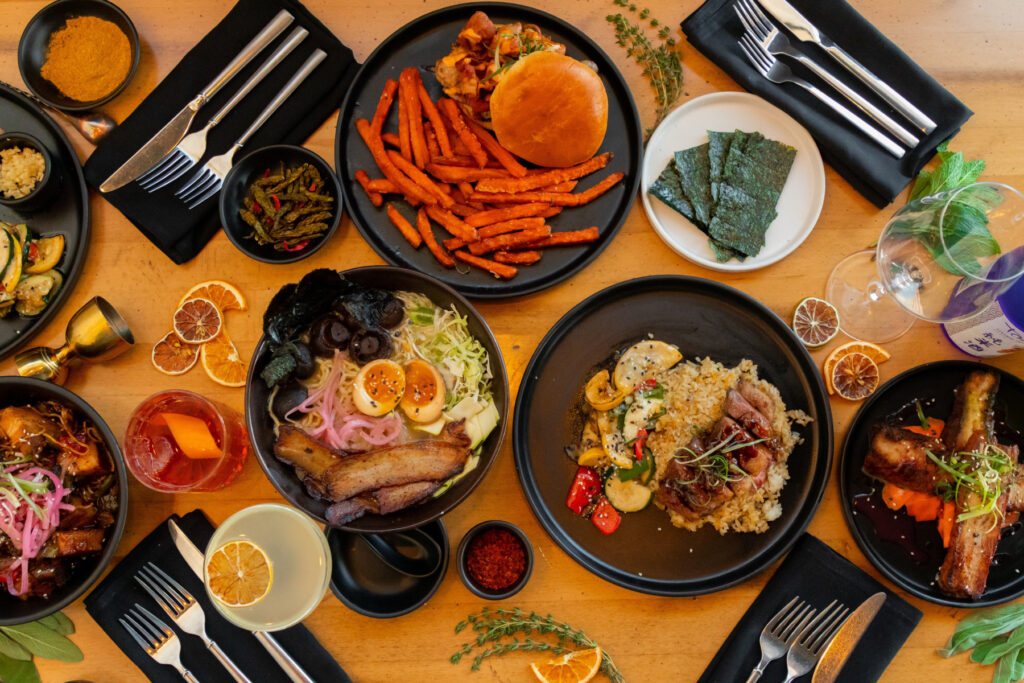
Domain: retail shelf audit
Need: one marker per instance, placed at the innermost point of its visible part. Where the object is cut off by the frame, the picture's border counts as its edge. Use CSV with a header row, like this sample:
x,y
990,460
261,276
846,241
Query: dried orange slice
x,y
197,321
815,321
872,351
855,376
573,667
224,296
172,356
239,573
222,363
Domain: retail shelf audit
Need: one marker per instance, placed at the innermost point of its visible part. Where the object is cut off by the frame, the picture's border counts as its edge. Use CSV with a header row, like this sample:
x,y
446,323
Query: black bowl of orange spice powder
x,y
495,560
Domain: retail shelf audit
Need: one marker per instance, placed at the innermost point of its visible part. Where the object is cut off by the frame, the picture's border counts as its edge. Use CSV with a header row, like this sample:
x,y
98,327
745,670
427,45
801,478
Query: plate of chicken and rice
x,y
672,435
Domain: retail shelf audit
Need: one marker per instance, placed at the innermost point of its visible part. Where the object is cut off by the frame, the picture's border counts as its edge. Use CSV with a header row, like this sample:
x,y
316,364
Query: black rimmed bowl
x,y
46,187
461,560
907,552
22,391
35,41
236,186
282,476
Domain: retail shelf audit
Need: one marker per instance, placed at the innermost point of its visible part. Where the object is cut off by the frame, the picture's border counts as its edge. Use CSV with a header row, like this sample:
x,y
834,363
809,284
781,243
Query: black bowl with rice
x,y
28,179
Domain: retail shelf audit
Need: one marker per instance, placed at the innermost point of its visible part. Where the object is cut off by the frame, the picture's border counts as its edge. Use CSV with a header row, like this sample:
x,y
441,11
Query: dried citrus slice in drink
x,y
872,351
172,356
573,667
224,296
815,321
239,573
222,363
197,321
855,376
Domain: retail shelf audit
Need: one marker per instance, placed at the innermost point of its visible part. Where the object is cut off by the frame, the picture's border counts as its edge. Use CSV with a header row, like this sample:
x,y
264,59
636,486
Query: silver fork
x,y
777,72
184,611
190,150
780,632
774,41
805,652
156,638
208,179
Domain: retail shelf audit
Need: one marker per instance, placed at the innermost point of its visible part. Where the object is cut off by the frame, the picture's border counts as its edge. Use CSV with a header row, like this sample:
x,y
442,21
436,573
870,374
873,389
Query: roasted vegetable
x,y
287,208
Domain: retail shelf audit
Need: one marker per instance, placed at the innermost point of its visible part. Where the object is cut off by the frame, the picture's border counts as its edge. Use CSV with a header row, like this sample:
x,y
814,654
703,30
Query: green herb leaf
x,y
11,649
58,622
982,626
44,643
17,671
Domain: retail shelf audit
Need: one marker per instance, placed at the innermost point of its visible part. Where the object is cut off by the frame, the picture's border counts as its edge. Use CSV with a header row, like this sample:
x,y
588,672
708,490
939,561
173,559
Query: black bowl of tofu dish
x,y
63,504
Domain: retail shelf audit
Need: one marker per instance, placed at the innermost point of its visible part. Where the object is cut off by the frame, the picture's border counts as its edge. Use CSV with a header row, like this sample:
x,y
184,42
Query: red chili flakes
x,y
495,559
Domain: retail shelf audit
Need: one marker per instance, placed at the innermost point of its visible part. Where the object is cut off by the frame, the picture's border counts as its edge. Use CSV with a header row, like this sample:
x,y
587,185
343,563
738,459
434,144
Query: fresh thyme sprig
x,y
661,63
497,634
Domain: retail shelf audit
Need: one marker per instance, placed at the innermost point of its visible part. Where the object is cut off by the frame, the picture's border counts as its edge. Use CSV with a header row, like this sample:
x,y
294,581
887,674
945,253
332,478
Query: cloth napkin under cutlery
x,y
119,591
715,30
163,218
818,575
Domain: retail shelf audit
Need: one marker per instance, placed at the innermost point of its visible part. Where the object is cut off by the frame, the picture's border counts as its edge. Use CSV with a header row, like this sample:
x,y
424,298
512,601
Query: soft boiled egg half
x,y
378,387
423,400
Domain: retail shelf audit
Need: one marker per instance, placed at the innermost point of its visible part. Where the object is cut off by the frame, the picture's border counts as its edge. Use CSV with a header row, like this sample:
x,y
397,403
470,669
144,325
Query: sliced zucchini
x,y
22,232
612,440
626,496
34,293
12,274
6,303
6,250
48,253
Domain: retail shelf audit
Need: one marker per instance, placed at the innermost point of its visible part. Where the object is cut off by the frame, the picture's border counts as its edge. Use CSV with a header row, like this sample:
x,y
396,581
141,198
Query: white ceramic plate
x,y
801,199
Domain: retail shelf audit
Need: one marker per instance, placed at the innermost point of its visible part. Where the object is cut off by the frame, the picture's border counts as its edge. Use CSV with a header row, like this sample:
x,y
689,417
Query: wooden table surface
x,y
971,46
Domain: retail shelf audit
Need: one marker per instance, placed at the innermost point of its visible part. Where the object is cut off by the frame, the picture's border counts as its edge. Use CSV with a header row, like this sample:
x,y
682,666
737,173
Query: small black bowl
x,y
371,587
35,41
45,188
237,182
460,558
24,390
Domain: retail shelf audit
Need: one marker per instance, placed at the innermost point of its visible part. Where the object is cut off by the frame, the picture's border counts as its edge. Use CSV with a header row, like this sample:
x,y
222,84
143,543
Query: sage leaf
x,y
11,649
58,622
17,671
44,643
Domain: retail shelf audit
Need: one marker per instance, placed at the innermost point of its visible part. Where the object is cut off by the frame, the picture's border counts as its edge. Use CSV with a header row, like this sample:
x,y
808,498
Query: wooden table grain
x,y
971,46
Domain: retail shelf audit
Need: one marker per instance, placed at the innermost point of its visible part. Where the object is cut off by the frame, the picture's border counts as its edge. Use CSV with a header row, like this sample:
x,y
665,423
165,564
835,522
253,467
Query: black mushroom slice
x,y
347,316
369,345
305,364
392,313
287,398
327,335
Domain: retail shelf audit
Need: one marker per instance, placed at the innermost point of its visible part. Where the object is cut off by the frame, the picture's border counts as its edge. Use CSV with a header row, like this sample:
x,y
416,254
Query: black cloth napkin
x,y
714,29
161,217
118,592
818,575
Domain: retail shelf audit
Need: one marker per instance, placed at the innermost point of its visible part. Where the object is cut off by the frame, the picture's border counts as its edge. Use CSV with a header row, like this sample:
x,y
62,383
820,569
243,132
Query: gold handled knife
x,y
848,635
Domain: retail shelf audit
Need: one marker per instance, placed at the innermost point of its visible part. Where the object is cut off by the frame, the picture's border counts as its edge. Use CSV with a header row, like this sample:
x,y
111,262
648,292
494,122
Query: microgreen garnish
x,y
920,415
981,472
712,464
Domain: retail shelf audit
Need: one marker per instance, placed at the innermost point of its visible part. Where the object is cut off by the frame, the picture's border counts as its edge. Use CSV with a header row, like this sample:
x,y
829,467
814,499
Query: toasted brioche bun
x,y
550,110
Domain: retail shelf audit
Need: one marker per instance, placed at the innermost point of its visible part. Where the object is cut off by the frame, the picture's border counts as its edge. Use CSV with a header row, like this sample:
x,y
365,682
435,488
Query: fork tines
x,y
790,620
167,170
168,593
148,631
753,19
818,632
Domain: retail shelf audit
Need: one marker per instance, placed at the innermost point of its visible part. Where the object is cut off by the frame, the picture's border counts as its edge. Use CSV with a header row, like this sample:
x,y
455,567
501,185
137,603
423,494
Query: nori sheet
x,y
694,174
718,148
668,189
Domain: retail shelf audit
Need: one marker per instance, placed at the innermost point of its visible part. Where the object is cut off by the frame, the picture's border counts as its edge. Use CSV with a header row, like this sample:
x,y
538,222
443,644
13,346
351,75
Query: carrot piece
x,y
498,270
894,497
462,174
420,178
592,193
434,116
523,258
923,507
387,96
506,213
504,157
432,147
458,121
452,224
935,427
391,139
947,521
410,77
404,137
423,226
502,228
384,186
565,239
548,176
364,180
388,168
404,227
509,240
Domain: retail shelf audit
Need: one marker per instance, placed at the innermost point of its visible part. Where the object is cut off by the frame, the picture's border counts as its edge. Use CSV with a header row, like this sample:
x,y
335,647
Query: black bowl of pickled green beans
x,y
280,204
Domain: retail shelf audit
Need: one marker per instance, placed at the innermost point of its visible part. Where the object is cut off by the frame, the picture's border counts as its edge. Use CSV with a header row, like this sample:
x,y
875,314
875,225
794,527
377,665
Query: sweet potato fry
x,y
417,138
364,180
466,160
523,258
565,186
564,239
504,157
494,229
420,178
506,213
509,240
498,270
453,224
592,193
391,140
423,226
458,121
462,174
465,188
387,96
388,168
432,148
434,116
548,177
549,198
384,186
550,211
461,210
404,227
404,139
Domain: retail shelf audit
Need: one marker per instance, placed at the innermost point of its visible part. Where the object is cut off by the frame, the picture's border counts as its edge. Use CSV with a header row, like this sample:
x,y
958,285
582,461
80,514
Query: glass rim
x,y
942,233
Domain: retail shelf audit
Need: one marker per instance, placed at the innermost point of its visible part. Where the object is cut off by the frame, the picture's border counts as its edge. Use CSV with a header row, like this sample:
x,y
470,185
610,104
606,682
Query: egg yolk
x,y
383,384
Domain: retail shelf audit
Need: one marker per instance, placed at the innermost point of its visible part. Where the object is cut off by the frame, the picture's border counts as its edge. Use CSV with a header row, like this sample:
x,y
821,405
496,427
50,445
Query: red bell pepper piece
x,y
584,487
638,445
606,518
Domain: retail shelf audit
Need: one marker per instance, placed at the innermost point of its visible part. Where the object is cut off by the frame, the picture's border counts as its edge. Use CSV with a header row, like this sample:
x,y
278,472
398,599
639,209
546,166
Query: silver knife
x,y
804,30
161,144
838,651
194,559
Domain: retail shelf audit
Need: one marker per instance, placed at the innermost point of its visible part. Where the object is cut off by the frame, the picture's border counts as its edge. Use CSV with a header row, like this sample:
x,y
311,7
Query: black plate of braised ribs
x,y
968,462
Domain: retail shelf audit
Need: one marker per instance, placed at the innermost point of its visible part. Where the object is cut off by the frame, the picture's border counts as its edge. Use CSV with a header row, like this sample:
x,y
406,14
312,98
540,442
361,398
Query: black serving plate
x,y
369,586
261,428
908,552
67,213
421,43
703,318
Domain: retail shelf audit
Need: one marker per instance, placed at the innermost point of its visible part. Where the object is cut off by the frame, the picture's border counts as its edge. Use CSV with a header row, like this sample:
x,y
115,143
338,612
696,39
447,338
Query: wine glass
x,y
940,258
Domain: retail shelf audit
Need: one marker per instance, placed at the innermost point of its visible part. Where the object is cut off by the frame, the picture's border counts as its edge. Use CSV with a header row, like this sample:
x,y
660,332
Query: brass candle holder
x,y
96,332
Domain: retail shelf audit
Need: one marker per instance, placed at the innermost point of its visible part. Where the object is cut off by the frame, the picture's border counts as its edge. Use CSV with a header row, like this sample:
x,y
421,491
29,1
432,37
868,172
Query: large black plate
x,y
703,318
68,213
910,553
421,43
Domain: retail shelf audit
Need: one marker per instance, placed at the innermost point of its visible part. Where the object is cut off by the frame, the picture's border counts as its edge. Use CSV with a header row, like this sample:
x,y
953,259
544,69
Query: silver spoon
x,y
91,125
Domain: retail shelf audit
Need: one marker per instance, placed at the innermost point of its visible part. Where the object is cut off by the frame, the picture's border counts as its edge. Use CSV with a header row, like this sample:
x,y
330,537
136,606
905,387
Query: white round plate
x,y
801,199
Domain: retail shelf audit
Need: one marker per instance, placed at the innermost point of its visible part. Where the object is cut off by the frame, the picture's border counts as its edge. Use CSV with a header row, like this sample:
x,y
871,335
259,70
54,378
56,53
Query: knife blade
x,y
801,27
846,638
195,560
